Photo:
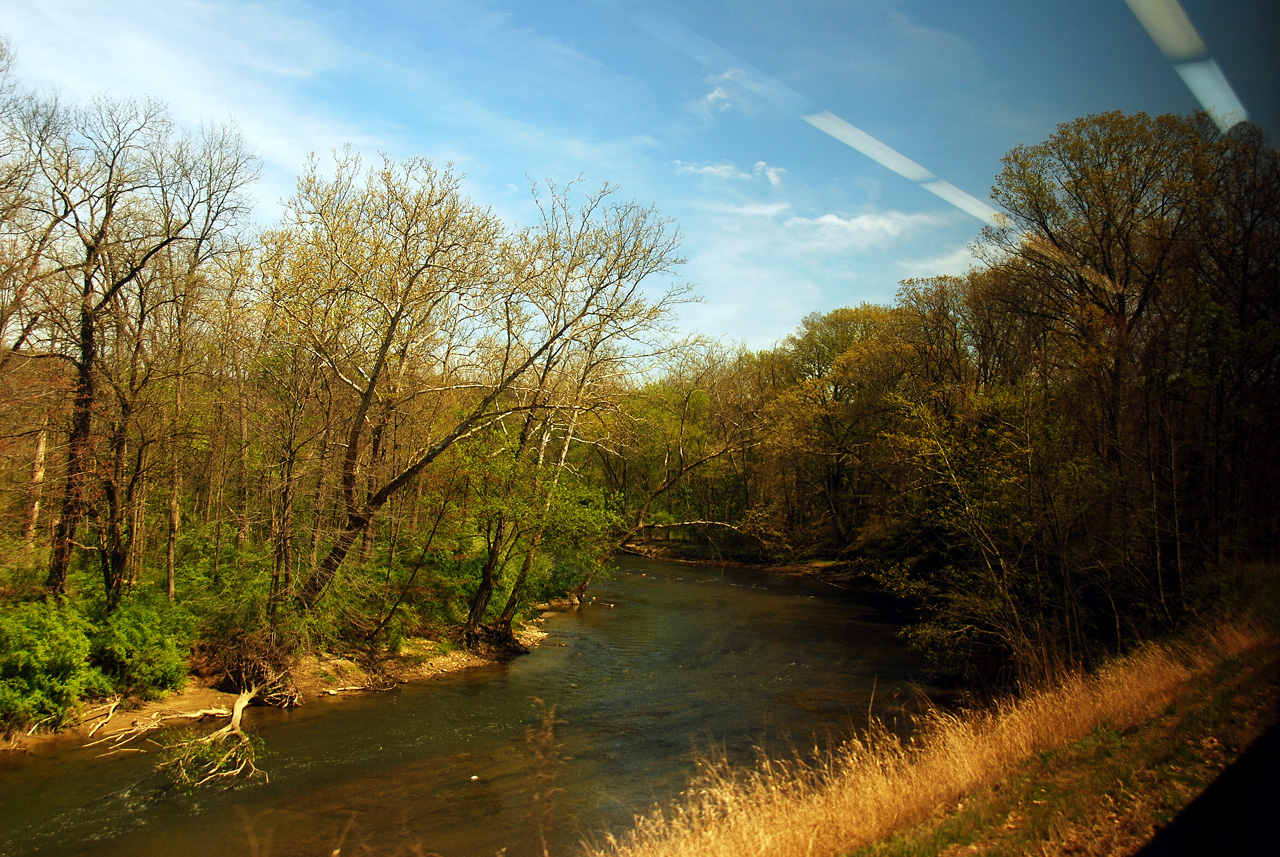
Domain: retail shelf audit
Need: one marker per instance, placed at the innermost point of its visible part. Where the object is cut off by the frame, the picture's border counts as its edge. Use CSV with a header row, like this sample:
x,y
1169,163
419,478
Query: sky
x,y
813,154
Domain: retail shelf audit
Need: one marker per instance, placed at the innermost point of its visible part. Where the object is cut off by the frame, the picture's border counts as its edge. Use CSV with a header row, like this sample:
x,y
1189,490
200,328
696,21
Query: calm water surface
x,y
669,663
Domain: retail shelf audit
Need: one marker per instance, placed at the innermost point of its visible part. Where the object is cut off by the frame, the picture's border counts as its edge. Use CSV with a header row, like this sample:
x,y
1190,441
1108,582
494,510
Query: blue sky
x,y
694,108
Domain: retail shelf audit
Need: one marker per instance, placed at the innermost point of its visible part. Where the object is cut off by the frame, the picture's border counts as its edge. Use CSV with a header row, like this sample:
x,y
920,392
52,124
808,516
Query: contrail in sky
x,y
1165,21
713,56
1176,37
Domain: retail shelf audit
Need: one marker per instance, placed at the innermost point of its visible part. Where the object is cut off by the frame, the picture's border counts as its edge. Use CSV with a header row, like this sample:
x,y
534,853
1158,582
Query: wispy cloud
x,y
198,56
762,266
207,62
749,209
724,170
773,174
298,79
954,263
752,295
837,233
728,66
717,100
726,93
718,171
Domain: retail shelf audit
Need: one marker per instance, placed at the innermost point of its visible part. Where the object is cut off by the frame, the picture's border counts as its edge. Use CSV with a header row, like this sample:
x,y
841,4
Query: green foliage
x,y
208,560
53,657
242,638
44,664
142,647
432,587
997,493
581,522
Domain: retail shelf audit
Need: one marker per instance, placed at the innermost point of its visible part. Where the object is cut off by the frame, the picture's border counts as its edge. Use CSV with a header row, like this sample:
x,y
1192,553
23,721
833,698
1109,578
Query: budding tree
x,y
421,306
121,196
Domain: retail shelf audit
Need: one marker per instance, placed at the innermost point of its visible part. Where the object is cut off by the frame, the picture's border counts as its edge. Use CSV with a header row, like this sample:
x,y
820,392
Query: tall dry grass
x,y
870,786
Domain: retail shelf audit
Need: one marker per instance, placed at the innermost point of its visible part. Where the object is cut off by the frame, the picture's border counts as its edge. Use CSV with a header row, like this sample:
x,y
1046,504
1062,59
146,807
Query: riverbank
x,y
316,678
663,660
1094,765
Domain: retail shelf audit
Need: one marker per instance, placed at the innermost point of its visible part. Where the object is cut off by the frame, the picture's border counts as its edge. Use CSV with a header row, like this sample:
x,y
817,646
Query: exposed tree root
x,y
493,641
225,753
196,760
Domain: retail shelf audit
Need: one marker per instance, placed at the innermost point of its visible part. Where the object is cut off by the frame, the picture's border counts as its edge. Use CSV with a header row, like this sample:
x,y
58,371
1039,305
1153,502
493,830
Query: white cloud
x,y
717,100
955,263
773,174
196,56
836,233
730,171
719,171
761,267
733,89
752,295
207,62
749,209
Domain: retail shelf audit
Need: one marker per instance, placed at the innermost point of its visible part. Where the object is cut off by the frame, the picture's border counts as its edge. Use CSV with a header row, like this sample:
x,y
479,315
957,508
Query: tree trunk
x,y
517,588
36,490
77,446
317,499
535,541
282,533
488,581
175,477
242,528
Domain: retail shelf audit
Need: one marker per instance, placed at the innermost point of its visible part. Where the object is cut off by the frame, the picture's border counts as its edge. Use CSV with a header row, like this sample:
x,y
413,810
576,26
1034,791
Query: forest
x,y
391,415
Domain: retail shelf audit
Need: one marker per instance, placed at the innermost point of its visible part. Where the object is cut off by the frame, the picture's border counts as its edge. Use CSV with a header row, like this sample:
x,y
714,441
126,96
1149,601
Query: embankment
x,y
1092,765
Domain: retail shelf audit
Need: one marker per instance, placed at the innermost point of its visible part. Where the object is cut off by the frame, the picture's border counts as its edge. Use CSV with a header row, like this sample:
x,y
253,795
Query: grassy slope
x,y
1109,792
1089,767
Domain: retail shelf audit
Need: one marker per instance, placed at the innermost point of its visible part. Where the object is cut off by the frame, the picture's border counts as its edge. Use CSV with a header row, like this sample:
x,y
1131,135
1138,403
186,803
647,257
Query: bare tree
x,y
120,193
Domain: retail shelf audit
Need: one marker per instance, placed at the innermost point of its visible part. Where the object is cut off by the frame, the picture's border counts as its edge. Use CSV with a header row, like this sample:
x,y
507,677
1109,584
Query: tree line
x,y
1072,447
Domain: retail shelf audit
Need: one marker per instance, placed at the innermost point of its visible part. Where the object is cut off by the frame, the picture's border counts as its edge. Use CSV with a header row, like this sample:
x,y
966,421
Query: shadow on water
x,y
668,663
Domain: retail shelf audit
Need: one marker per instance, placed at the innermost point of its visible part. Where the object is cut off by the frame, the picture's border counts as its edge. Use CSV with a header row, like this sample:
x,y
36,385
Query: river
x,y
668,664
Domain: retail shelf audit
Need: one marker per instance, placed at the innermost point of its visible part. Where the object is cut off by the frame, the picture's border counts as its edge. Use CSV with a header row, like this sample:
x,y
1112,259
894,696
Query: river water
x,y
669,664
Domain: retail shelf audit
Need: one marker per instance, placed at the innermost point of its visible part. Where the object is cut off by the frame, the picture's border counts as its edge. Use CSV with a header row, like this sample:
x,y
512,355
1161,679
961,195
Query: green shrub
x,y
142,647
44,664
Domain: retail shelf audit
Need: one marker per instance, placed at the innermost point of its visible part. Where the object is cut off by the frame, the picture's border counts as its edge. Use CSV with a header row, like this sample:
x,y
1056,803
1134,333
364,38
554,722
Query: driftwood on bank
x,y
138,728
111,710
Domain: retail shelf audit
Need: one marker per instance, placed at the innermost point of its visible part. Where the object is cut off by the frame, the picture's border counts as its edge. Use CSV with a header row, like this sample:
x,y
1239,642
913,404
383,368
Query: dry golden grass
x,y
871,786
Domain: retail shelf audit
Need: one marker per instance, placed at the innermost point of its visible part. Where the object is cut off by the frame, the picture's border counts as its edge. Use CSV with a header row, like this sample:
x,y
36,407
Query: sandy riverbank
x,y
317,678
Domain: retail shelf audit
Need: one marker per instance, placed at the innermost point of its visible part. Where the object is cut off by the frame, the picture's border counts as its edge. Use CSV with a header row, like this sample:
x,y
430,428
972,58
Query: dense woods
x,y
391,414
1070,448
